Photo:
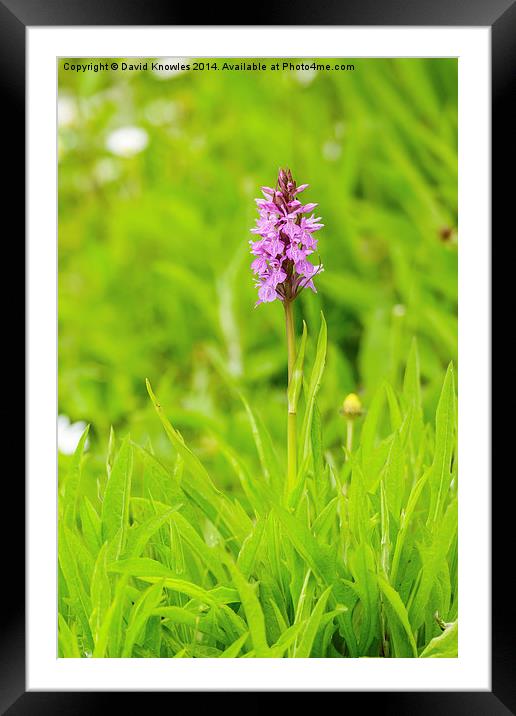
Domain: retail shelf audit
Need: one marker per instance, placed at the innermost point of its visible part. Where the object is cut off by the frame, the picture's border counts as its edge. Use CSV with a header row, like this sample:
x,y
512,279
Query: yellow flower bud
x,y
352,407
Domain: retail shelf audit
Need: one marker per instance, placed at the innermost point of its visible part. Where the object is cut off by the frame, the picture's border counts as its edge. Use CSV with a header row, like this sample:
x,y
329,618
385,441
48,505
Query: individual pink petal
x,y
259,265
308,207
266,293
305,268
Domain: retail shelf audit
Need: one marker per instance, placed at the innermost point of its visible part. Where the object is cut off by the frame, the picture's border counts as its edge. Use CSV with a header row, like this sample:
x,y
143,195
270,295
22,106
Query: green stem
x,y
291,425
349,435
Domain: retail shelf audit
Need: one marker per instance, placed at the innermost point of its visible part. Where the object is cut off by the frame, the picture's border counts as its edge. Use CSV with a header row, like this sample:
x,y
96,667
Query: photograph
x,y
257,357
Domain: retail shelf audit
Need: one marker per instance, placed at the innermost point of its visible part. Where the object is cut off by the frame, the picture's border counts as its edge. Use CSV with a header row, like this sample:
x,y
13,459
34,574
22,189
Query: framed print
x,y
258,365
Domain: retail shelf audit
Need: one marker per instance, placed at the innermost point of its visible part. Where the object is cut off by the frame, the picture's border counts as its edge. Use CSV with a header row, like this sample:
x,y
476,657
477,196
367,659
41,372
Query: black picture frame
x,y
500,16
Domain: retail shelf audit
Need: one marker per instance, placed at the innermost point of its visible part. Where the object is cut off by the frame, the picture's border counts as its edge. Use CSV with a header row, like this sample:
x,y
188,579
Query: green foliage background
x,y
154,277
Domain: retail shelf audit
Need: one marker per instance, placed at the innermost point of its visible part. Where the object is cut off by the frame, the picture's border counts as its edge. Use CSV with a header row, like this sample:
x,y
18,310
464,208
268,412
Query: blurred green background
x,y
157,177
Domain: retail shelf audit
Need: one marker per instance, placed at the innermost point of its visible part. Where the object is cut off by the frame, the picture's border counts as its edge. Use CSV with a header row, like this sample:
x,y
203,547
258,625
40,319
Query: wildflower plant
x,y
283,270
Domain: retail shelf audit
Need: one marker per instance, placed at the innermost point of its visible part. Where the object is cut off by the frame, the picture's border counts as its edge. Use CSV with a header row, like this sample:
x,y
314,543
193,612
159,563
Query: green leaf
x,y
445,646
432,558
313,388
405,522
79,599
363,569
140,613
393,477
139,536
100,593
150,570
321,480
326,519
209,555
296,380
91,527
358,506
253,610
250,549
444,445
72,486
68,645
234,649
110,457
394,408
286,640
400,612
110,633
115,507
304,648
82,556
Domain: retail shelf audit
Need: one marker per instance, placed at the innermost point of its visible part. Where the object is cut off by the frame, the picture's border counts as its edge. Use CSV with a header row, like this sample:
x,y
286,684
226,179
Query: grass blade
x,y
304,648
313,388
115,507
399,609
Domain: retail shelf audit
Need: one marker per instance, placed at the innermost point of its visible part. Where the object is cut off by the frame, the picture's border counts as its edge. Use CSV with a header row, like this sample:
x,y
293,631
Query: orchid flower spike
x,y
281,264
